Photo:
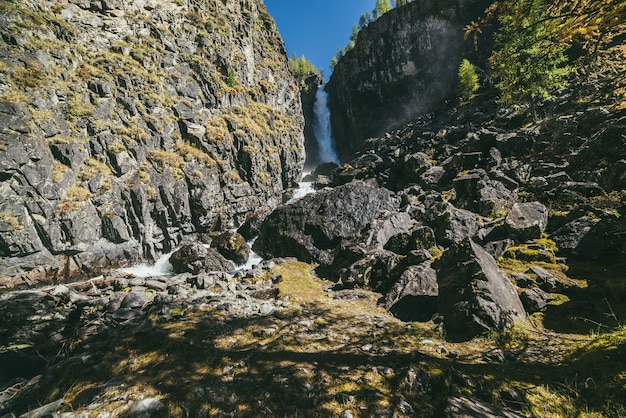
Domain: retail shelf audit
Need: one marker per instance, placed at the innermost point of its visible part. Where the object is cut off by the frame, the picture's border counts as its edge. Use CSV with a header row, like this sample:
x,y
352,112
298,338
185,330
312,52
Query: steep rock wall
x,y
126,125
308,92
401,65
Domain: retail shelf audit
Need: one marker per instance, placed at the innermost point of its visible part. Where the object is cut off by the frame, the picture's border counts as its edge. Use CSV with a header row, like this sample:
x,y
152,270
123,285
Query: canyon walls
x,y
126,126
402,65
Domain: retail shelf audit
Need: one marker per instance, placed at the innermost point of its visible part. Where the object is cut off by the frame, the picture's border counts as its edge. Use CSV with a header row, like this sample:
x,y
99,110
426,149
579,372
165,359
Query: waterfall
x,y
321,128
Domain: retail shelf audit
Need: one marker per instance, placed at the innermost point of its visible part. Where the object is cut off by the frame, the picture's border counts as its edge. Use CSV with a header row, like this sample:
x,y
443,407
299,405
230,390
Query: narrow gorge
x,y
191,228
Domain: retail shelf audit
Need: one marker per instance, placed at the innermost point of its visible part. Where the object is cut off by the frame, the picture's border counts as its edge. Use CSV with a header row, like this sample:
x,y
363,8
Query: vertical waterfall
x,y
321,128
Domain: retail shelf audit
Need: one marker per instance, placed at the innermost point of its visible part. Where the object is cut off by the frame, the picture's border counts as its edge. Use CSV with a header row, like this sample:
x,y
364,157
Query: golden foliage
x,y
192,153
217,129
74,197
58,171
12,221
92,168
167,159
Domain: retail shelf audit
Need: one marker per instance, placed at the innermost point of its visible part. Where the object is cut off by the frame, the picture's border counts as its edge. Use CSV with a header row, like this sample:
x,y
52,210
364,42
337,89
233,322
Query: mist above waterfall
x,y
321,128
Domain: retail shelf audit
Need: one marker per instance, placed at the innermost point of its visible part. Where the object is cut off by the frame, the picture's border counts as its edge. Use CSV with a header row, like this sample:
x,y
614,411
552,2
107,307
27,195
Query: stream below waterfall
x,y
163,268
326,153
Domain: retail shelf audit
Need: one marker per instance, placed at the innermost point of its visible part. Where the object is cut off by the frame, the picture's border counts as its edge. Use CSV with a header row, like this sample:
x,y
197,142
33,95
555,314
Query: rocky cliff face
x,y
307,94
402,64
127,125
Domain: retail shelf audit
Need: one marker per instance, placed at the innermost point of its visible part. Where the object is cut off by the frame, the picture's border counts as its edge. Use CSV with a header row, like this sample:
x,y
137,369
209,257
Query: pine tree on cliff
x,y
301,68
468,80
365,19
353,36
382,7
529,61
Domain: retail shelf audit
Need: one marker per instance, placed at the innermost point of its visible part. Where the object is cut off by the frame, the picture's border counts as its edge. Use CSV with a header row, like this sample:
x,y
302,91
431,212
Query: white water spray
x,y
305,187
161,268
321,128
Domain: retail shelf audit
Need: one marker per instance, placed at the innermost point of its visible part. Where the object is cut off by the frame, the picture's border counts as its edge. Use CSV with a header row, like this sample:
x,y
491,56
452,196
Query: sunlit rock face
x,y
402,65
126,127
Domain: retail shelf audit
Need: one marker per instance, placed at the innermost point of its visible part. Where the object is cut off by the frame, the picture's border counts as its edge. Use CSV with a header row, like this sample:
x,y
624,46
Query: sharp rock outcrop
x,y
402,64
127,126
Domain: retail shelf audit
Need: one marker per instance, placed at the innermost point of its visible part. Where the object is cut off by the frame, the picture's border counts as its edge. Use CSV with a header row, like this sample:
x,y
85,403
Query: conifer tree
x,y
362,22
353,36
301,68
382,7
468,80
368,18
529,61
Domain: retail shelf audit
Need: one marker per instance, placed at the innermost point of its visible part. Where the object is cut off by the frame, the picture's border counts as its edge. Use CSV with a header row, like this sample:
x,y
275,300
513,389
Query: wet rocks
x,y
232,246
193,257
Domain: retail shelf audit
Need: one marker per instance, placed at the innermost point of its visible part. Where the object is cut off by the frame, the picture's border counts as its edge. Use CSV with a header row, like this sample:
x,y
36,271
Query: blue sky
x,y
316,28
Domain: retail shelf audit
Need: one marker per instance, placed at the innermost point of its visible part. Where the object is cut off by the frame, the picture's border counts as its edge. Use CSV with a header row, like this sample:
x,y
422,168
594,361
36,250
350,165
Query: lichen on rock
x,y
139,123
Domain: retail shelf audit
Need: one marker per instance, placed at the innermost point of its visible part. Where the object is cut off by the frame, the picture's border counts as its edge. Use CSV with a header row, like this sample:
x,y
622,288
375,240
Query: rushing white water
x,y
253,259
305,187
322,130
161,268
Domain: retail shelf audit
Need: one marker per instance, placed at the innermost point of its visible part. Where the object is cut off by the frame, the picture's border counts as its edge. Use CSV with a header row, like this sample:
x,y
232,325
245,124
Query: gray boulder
x,y
414,296
195,258
421,238
474,295
381,231
527,221
494,198
586,238
455,225
546,280
569,236
232,246
375,270
312,227
535,299
134,299
146,408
